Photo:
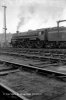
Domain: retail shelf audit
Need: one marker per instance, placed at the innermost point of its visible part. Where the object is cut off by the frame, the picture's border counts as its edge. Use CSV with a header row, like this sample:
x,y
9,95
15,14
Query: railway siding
x,y
32,85
30,64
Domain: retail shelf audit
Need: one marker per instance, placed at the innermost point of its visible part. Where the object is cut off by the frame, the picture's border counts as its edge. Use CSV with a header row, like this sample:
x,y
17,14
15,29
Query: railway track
x,y
46,52
52,66
24,50
7,93
23,85
48,56
40,64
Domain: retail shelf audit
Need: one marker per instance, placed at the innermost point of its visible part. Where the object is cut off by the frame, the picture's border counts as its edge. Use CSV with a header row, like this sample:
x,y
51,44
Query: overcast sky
x,y
32,14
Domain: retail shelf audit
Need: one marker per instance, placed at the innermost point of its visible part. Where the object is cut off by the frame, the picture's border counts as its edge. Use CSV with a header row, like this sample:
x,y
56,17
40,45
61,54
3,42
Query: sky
x,y
25,15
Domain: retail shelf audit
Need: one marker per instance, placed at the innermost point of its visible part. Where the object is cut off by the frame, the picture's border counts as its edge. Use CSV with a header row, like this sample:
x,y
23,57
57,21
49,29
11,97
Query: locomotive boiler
x,y
30,39
40,38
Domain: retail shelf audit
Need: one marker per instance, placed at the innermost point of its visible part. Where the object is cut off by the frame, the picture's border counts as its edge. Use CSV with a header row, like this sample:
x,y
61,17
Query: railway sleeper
x,y
13,66
32,70
1,62
50,74
46,73
62,77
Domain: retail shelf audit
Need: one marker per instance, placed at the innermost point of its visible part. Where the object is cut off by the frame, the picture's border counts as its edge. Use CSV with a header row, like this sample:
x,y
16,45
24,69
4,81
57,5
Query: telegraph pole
x,y
5,22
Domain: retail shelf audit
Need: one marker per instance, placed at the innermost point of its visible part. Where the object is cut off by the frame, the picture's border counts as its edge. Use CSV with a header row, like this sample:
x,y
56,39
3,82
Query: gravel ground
x,y
33,86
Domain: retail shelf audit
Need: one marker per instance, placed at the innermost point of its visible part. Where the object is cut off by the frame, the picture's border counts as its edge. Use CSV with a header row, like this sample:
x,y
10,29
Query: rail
x,y
8,94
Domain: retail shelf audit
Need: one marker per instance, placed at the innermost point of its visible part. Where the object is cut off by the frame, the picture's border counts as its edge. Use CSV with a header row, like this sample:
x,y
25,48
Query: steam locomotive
x,y
40,38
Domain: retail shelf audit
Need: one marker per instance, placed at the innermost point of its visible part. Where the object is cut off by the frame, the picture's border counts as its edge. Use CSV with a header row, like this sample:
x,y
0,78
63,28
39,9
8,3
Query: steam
x,y
27,13
33,14
37,14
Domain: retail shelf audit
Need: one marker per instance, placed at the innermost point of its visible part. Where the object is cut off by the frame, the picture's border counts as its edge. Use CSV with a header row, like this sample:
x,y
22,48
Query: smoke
x,y
26,14
40,13
33,14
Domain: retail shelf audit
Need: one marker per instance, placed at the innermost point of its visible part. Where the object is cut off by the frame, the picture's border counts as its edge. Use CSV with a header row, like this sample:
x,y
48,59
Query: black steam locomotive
x,y
40,38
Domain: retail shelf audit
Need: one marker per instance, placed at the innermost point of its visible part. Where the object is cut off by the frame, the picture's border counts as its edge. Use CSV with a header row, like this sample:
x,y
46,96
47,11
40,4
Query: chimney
x,y
17,32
